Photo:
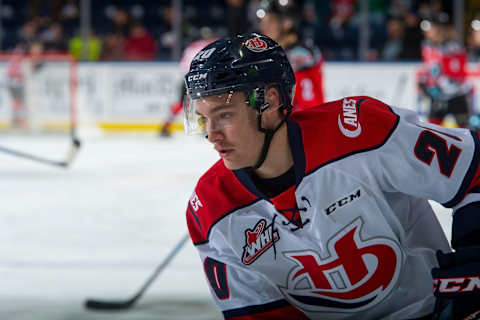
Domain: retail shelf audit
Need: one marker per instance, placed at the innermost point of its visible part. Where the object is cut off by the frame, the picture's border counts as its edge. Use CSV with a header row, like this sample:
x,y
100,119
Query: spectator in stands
x,y
140,45
91,50
473,41
341,36
393,49
70,16
113,48
236,17
54,39
378,13
46,9
167,39
333,24
28,32
252,13
438,7
121,22
413,36
308,21
116,36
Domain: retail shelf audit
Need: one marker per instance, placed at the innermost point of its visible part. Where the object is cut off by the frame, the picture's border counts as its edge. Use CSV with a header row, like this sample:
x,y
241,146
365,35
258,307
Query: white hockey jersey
x,y
355,238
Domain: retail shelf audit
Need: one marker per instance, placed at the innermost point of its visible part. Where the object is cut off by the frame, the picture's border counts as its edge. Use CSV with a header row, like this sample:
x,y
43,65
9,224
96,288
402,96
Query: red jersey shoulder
x,y
343,127
218,193
309,88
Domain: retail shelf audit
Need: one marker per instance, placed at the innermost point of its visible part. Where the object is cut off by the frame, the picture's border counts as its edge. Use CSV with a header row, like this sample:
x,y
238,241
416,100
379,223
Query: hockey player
x,y
323,213
16,74
279,24
443,77
207,36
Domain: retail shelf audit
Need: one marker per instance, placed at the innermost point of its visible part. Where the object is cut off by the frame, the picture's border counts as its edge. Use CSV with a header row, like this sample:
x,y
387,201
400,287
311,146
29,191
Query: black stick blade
x,y
108,305
122,305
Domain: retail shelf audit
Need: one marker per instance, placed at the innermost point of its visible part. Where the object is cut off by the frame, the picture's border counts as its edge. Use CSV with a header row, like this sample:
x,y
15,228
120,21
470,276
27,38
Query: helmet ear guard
x,y
256,98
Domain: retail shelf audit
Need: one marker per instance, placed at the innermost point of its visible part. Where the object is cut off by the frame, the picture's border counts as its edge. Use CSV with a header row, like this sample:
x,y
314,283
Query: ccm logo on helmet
x,y
196,77
256,45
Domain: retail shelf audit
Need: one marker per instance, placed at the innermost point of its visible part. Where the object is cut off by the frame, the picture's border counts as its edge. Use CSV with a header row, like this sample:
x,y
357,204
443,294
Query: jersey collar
x,y
296,146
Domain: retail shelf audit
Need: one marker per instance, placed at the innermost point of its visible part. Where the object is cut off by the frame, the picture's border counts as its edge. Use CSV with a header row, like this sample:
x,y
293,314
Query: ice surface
x,y
101,227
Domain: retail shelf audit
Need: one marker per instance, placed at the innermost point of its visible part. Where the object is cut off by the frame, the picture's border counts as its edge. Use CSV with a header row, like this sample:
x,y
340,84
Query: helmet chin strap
x,y
269,133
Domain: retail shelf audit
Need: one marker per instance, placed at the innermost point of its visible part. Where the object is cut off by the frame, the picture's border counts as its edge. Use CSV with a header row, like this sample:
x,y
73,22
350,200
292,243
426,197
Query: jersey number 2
x,y
429,145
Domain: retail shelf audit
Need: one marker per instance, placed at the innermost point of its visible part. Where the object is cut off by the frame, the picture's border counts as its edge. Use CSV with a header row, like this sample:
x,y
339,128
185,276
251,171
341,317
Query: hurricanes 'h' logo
x,y
357,275
258,240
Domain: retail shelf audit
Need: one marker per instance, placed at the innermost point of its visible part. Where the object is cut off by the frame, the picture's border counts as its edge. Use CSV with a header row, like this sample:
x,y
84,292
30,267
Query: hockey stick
x,y
125,304
74,147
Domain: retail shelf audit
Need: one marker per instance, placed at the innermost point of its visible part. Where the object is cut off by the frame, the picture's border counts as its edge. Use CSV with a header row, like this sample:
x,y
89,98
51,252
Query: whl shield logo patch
x,y
357,275
258,240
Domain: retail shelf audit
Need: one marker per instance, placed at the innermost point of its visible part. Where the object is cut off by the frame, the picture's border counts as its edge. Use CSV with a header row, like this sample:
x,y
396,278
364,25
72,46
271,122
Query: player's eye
x,y
202,122
226,115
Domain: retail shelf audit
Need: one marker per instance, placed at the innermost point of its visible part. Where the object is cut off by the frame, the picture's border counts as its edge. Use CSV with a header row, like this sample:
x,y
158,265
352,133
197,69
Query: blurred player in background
x,y
16,74
443,75
279,23
473,41
207,35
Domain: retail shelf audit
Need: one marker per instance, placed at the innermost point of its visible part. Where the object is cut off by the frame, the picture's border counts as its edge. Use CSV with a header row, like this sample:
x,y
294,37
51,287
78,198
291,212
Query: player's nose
x,y
213,134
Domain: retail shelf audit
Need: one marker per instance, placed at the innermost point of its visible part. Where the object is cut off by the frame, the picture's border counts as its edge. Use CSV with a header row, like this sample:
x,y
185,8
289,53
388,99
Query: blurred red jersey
x,y
442,63
307,64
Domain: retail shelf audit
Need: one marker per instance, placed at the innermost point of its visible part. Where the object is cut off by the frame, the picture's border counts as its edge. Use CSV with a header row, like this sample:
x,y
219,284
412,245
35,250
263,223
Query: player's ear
x,y
272,97
271,116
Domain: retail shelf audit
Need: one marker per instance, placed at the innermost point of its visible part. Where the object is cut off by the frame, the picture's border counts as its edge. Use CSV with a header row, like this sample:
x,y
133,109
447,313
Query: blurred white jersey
x,y
354,238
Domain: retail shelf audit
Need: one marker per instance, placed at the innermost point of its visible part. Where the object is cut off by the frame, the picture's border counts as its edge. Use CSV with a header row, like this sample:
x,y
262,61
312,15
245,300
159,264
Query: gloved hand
x,y
457,284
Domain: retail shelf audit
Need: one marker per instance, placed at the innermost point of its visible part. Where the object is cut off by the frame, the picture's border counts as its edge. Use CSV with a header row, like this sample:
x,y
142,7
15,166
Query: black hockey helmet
x,y
245,63
441,19
280,7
